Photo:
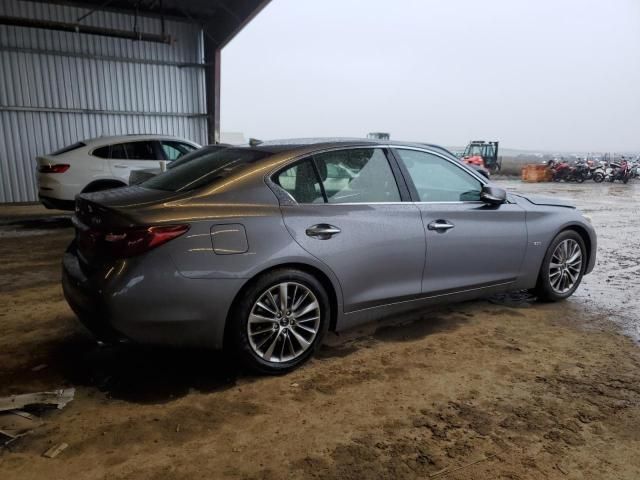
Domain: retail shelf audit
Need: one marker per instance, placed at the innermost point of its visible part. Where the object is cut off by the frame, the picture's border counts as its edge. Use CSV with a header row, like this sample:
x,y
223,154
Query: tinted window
x,y
175,150
439,180
118,151
205,170
361,175
102,152
301,182
70,148
139,151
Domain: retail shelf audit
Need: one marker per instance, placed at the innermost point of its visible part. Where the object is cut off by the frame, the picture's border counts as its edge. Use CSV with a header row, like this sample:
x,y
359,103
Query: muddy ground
x,y
481,390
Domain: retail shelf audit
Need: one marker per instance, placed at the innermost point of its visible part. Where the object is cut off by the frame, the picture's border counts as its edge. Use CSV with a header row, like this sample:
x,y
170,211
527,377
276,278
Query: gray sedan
x,y
262,249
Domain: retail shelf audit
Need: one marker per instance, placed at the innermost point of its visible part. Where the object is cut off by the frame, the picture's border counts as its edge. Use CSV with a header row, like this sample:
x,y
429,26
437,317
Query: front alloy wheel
x,y
562,267
565,266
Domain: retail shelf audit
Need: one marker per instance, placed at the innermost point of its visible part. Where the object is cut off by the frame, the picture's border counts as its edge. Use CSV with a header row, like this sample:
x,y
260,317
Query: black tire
x,y
237,341
625,179
579,178
543,290
598,177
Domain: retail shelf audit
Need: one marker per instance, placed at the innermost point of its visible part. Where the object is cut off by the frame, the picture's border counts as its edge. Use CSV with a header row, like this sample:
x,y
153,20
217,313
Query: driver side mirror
x,y
493,195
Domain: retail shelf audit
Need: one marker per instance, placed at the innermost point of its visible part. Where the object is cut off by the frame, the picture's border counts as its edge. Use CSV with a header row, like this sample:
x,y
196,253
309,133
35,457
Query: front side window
x,y
301,182
359,175
439,180
140,151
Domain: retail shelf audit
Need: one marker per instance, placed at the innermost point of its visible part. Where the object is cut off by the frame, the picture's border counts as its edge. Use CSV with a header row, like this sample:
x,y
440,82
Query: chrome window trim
x,y
290,161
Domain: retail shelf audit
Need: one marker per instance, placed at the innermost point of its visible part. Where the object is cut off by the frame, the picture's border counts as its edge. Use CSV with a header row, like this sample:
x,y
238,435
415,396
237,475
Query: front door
x,y
348,213
469,244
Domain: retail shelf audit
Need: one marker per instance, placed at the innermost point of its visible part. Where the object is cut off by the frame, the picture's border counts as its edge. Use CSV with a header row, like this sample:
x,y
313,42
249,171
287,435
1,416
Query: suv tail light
x,y
57,168
129,242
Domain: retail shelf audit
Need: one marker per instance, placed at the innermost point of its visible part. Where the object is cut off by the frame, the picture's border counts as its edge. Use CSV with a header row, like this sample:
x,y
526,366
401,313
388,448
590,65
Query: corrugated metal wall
x,y
58,87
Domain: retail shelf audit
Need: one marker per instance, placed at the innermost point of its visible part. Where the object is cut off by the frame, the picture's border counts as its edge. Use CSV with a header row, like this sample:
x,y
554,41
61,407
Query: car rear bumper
x,y
147,305
56,203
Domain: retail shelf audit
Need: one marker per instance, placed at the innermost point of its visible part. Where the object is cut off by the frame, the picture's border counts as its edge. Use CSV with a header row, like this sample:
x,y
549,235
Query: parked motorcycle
x,y
618,171
563,171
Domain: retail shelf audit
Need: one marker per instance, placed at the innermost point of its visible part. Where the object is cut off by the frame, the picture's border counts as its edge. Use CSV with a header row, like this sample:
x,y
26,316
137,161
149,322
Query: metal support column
x,y
212,56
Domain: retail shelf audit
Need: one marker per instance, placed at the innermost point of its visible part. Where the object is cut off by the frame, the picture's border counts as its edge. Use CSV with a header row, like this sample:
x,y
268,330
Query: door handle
x,y
121,166
441,225
322,231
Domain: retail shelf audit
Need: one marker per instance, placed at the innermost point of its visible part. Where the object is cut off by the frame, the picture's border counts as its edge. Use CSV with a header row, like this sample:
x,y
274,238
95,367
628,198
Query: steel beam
x,y
212,54
88,29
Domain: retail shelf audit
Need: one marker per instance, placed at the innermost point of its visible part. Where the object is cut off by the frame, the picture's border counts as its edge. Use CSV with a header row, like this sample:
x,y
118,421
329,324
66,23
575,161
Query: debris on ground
x,y
56,450
57,398
16,423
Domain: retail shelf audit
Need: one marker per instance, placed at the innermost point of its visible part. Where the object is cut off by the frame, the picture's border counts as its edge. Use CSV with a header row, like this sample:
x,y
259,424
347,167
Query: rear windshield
x,y
68,149
204,170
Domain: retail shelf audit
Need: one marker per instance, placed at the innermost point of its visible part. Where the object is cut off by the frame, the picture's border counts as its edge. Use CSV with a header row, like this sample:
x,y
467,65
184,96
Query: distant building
x,y
379,135
232,138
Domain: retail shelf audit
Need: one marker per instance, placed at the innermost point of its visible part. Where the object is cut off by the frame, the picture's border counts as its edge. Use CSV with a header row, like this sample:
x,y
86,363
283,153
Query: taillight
x,y
129,242
57,168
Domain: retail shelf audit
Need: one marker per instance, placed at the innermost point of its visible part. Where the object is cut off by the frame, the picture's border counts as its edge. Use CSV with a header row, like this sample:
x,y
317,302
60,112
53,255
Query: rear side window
x,y
360,175
70,148
301,182
205,169
102,152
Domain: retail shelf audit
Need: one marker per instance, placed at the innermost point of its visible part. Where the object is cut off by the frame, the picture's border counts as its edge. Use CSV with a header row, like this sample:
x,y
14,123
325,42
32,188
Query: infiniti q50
x,y
261,249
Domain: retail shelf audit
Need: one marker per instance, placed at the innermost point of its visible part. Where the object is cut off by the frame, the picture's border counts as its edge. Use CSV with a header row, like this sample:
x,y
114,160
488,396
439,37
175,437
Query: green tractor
x,y
483,154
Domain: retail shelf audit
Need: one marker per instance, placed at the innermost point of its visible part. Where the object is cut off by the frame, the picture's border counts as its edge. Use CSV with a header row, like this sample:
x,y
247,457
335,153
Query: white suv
x,y
102,163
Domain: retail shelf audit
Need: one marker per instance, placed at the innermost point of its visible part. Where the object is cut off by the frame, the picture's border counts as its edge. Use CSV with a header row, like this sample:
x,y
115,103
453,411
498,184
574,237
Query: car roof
x,y
109,139
286,145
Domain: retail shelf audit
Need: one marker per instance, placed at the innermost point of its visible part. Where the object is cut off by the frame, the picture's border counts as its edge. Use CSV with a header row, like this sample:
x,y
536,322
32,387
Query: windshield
x,y
205,169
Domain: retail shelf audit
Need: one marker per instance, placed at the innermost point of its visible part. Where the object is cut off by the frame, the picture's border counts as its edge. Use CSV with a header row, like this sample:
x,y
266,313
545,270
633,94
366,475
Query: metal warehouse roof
x,y
225,18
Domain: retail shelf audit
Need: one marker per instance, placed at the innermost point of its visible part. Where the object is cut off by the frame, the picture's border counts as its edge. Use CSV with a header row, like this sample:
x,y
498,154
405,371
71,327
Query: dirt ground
x,y
501,389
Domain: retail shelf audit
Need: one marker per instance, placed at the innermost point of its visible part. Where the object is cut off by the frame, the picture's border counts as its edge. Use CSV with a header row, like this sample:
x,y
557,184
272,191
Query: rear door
x,y
127,157
347,210
469,244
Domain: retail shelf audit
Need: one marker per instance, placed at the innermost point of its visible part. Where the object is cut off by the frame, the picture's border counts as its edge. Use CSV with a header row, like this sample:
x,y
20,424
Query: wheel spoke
x,y
303,343
309,308
272,299
255,318
298,302
260,332
264,307
269,352
306,329
283,296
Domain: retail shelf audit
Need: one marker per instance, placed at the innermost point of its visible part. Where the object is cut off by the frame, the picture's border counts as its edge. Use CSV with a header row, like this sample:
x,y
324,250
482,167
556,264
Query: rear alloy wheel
x,y
280,321
283,322
562,268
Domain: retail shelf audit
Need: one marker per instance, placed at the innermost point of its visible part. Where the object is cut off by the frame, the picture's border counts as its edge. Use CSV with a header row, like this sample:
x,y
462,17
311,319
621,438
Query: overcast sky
x,y
534,74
